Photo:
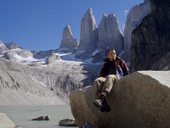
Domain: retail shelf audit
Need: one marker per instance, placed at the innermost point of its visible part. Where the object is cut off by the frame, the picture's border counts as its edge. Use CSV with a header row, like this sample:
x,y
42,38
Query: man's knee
x,y
112,77
98,83
98,80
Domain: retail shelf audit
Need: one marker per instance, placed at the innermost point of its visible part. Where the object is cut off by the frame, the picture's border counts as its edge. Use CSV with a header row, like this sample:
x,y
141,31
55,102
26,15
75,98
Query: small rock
x,y
51,59
67,122
40,118
46,118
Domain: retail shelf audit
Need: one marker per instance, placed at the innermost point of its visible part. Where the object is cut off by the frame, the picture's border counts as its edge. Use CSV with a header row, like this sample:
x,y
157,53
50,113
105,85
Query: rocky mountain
x,y
12,45
109,34
134,18
68,43
18,54
88,36
42,54
3,48
53,77
94,40
18,88
150,47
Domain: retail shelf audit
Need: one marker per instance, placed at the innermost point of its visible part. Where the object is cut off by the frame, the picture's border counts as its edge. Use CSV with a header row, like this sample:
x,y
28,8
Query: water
x,y
22,115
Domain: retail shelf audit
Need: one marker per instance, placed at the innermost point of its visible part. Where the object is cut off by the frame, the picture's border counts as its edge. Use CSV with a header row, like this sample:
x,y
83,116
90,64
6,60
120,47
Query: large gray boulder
x,y
139,100
134,18
151,39
88,36
68,43
5,122
109,34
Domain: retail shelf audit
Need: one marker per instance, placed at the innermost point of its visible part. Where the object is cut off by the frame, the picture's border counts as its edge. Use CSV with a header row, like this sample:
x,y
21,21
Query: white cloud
x,y
125,12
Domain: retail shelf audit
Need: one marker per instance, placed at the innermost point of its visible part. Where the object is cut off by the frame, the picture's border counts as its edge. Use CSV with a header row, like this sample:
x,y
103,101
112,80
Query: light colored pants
x,y
102,84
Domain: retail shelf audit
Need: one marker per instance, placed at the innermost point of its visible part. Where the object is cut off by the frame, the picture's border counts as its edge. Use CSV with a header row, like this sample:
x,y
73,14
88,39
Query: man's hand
x,y
98,94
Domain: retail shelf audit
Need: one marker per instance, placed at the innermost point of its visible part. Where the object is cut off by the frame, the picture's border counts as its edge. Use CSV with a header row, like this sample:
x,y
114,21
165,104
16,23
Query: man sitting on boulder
x,y
113,69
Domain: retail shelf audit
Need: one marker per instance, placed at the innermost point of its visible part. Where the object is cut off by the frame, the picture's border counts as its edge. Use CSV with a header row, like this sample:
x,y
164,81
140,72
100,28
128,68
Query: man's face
x,y
111,55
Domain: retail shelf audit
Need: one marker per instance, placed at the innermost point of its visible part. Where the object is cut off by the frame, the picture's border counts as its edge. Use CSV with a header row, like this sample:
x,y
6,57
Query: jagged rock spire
x,y
109,34
68,41
88,35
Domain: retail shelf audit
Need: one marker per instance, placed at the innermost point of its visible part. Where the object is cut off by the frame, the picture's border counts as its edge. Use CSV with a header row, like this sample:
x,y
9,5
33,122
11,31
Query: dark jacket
x,y
117,67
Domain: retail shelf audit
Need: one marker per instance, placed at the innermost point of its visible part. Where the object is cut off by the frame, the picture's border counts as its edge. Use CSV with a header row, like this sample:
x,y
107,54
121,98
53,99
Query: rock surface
x,y
134,18
68,43
151,39
109,34
5,122
141,99
88,36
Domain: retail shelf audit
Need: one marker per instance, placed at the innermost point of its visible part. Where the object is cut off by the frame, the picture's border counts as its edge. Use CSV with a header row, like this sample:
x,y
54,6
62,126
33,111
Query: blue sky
x,y
38,24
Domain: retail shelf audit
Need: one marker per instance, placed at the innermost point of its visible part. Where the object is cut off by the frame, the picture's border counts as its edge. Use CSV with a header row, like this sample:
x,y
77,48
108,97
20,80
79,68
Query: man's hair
x,y
110,49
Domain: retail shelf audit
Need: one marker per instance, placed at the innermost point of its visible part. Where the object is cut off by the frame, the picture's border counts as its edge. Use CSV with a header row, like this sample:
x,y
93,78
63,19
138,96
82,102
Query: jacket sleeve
x,y
103,71
125,68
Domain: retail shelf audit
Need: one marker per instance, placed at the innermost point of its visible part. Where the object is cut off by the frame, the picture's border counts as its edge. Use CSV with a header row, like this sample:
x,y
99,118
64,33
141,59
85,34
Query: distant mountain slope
x,y
40,83
16,87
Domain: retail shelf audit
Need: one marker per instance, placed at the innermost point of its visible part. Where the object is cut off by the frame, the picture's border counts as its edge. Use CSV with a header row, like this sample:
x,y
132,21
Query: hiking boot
x,y
102,103
98,103
105,107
